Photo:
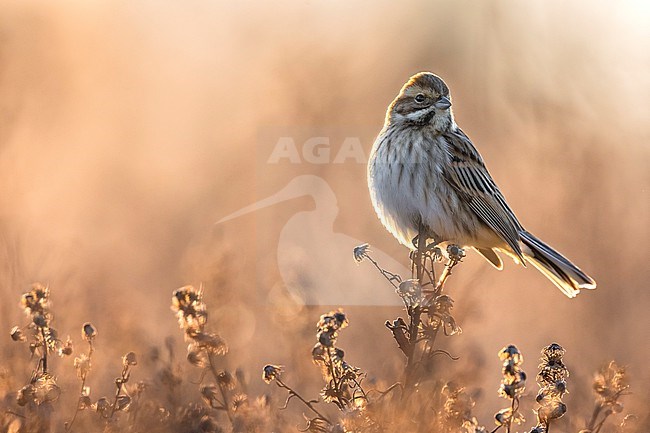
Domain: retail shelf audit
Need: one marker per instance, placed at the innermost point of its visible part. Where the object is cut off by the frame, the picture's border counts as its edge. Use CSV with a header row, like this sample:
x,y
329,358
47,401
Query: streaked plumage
x,y
425,172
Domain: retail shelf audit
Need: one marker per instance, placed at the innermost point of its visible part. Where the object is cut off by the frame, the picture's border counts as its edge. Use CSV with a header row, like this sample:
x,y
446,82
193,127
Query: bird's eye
x,y
419,98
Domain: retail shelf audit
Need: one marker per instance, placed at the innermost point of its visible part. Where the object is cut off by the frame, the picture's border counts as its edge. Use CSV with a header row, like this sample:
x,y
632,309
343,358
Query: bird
x,y
428,181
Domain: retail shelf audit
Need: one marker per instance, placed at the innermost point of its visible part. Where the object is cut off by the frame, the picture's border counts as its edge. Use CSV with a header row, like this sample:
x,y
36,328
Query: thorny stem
x,y
305,402
215,373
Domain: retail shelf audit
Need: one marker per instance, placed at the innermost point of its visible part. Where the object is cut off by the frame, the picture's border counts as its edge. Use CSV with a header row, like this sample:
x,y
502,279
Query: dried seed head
x,y
455,252
190,310
333,321
17,334
553,352
122,402
102,406
208,425
610,382
82,365
129,359
511,353
318,353
196,356
84,402
66,349
27,394
271,372
213,343
39,320
88,332
554,410
360,252
327,338
411,292
506,416
46,388
209,392
226,380
239,401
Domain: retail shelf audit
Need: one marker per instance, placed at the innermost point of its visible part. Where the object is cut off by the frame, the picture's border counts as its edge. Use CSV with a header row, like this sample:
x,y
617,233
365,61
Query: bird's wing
x,y
468,175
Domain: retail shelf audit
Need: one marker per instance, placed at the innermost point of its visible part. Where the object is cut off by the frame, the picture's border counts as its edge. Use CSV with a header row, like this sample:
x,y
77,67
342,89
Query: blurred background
x,y
128,129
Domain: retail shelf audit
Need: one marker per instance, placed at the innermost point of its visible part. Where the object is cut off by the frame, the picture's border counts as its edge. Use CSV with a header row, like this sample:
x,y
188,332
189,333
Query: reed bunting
x,y
427,180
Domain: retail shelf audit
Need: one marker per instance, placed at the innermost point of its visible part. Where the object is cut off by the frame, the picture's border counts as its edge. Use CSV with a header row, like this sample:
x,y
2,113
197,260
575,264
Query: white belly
x,y
407,193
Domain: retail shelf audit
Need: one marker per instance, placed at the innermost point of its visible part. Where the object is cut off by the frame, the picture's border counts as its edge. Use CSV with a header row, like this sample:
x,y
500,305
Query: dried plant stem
x,y
512,412
393,279
68,426
330,366
215,373
120,384
309,404
414,327
44,358
594,426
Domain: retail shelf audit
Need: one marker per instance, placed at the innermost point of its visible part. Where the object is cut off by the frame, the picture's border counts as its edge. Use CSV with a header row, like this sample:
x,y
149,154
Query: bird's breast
x,y
408,188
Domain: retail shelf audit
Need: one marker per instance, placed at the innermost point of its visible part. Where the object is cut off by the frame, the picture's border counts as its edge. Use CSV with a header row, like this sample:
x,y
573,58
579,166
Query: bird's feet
x,y
431,249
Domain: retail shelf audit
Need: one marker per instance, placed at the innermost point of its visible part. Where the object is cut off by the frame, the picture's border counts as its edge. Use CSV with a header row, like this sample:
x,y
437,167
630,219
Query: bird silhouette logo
x,y
314,261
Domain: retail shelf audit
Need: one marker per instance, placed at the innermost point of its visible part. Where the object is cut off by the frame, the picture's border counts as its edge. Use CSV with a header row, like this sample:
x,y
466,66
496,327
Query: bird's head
x,y
424,100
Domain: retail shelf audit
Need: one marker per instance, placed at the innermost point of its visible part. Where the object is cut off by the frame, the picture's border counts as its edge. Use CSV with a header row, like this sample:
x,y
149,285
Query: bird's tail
x,y
557,268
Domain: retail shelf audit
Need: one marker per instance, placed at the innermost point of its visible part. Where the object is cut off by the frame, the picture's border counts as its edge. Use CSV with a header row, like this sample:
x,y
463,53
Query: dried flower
x,y
213,343
27,394
39,320
360,252
551,378
225,380
188,304
511,353
271,372
46,388
66,349
512,385
458,407
411,292
129,359
82,365
122,402
551,411
196,356
102,406
17,334
455,252
88,332
239,401
610,383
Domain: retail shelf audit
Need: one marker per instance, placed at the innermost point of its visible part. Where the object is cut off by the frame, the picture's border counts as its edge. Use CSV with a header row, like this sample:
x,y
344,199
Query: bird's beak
x,y
442,103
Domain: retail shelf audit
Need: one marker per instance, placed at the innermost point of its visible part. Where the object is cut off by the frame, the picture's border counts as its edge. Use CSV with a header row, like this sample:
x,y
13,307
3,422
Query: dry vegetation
x,y
128,128
351,400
